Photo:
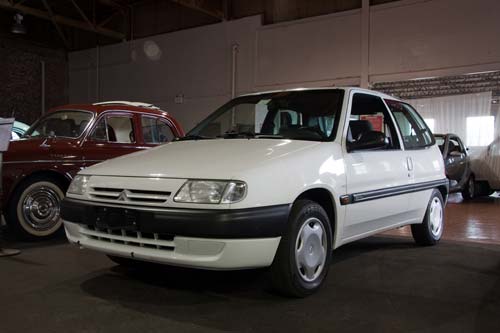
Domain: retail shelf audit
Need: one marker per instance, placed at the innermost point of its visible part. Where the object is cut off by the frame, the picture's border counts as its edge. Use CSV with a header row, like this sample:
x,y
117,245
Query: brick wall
x,y
20,79
443,86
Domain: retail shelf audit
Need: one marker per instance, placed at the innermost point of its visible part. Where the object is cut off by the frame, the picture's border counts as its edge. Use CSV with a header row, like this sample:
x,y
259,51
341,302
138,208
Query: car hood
x,y
28,149
210,159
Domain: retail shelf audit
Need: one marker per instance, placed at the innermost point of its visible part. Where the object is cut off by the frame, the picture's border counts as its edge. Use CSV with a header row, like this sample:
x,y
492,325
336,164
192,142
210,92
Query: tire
x,y
429,232
299,273
469,192
34,210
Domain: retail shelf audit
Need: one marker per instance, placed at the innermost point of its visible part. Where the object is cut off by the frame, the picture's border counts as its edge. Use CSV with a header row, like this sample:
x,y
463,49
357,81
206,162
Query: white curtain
x,y
469,116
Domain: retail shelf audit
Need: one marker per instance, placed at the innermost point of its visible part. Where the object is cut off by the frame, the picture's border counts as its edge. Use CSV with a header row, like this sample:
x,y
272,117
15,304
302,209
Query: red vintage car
x,y
38,168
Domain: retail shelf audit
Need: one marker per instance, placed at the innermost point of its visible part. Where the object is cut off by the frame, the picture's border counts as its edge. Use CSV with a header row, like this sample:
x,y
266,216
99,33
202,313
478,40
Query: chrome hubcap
x,y
40,208
310,249
436,217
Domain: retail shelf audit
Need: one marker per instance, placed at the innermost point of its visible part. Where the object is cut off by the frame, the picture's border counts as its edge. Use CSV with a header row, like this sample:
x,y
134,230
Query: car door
x,y
455,159
114,134
374,177
156,131
425,162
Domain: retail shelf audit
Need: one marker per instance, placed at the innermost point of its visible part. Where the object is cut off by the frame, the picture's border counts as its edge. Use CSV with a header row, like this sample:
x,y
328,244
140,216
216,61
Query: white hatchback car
x,y
275,179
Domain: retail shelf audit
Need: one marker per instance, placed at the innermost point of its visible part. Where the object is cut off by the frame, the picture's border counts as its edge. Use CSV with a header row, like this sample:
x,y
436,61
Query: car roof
x,y
445,135
114,106
368,91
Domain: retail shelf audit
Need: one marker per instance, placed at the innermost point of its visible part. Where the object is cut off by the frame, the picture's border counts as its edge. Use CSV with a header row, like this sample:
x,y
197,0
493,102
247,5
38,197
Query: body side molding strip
x,y
392,191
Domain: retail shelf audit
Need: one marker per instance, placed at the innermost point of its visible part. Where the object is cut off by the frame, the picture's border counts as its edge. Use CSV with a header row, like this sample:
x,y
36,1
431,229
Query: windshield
x,y
300,115
68,124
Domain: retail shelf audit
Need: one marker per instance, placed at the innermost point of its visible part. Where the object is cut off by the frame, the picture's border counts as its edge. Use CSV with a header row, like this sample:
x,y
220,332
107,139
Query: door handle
x,y
409,163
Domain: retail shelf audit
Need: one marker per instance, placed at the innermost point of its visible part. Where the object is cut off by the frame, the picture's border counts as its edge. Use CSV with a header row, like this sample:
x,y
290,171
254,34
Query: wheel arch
x,y
444,190
63,178
325,199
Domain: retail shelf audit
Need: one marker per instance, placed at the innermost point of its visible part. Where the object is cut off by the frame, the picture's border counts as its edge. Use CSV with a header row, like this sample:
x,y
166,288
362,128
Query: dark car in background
x,y
457,164
38,167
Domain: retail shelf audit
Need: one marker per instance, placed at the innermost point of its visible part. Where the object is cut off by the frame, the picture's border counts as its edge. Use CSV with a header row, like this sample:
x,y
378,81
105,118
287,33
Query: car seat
x,y
357,128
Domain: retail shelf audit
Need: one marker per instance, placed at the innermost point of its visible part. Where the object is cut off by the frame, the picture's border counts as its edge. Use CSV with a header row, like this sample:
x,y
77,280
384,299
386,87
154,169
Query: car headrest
x,y
358,127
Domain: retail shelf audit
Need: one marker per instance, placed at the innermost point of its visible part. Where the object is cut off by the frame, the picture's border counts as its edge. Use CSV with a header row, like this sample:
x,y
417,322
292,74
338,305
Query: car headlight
x,y
79,185
211,191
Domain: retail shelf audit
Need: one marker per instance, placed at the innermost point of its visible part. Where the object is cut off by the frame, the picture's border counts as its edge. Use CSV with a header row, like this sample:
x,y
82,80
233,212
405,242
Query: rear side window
x,y
115,128
156,131
455,145
413,129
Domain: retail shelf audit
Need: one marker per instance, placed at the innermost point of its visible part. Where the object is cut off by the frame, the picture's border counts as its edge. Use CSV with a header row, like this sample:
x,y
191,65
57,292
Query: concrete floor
x,y
379,284
471,221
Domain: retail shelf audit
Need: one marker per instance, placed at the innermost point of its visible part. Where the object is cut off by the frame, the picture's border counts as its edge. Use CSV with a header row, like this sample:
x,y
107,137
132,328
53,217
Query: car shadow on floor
x,y
251,283
9,240
236,300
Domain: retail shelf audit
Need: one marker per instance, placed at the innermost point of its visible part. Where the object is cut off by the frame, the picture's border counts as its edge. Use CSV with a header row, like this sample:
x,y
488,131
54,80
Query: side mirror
x,y
369,140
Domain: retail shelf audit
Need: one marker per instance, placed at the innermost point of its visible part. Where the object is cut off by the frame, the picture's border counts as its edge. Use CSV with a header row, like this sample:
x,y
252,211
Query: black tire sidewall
x,y
427,222
466,193
302,211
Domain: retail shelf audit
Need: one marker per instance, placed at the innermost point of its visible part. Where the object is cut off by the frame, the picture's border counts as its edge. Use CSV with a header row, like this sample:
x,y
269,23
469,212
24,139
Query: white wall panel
x,y
416,36
318,49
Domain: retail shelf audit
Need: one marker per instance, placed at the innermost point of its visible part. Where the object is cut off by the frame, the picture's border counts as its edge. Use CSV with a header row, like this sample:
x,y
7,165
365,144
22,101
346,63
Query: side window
x,y
413,129
369,117
455,145
100,133
156,131
115,128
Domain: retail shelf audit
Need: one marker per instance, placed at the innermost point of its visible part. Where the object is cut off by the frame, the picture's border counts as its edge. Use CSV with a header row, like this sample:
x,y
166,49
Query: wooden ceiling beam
x,y
199,5
62,20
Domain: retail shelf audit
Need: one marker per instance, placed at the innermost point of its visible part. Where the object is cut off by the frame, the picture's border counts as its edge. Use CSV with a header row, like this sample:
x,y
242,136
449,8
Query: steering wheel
x,y
314,130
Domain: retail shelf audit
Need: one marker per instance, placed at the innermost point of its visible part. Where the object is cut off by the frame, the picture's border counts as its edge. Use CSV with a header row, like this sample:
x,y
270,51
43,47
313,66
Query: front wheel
x,y
34,212
429,232
469,192
303,257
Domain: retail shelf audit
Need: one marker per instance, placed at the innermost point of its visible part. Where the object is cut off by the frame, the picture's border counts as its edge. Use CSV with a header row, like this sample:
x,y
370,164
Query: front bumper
x,y
210,239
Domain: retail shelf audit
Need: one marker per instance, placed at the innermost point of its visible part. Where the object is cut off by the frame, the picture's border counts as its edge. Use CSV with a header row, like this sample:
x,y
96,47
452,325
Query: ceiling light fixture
x,y
18,27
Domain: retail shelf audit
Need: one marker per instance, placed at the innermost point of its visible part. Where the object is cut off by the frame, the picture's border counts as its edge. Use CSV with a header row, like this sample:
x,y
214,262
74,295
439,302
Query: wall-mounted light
x,y
18,27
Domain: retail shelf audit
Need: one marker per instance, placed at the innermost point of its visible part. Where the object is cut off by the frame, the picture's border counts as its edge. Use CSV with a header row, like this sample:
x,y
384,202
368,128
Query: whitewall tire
x,y
34,212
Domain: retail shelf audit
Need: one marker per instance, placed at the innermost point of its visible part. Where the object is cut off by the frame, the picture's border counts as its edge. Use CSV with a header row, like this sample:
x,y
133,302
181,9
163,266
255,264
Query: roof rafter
x,y
199,5
62,20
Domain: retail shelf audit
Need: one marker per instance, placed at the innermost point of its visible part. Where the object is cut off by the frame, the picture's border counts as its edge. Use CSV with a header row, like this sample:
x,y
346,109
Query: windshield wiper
x,y
193,137
237,135
269,136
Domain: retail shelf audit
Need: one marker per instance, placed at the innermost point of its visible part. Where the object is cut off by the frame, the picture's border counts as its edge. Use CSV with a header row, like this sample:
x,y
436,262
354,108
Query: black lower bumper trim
x,y
259,222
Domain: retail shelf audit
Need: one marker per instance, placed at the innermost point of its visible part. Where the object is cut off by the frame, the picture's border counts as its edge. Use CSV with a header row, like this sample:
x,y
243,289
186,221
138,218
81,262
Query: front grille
x,y
128,196
131,238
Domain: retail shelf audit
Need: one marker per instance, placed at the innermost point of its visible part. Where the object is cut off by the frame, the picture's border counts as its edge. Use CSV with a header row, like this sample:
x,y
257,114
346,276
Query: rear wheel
x,y
34,212
303,258
469,192
429,232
